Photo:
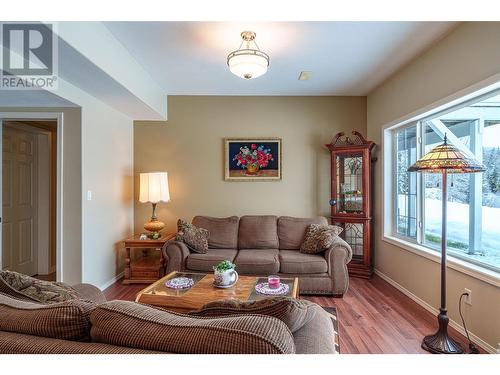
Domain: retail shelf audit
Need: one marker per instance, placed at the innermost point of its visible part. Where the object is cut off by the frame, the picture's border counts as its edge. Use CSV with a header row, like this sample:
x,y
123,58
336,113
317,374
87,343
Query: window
x,y
473,199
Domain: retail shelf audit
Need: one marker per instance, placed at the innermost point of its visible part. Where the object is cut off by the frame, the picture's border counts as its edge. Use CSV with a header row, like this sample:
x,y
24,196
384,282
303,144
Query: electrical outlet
x,y
468,298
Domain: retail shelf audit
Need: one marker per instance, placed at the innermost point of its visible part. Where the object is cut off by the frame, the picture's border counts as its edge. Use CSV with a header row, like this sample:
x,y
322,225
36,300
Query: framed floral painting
x,y
252,159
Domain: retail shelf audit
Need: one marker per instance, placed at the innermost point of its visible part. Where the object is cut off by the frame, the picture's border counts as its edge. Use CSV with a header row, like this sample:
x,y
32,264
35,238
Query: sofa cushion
x,y
223,231
68,320
205,262
195,238
258,232
293,262
17,343
292,230
140,326
293,312
319,238
257,261
30,289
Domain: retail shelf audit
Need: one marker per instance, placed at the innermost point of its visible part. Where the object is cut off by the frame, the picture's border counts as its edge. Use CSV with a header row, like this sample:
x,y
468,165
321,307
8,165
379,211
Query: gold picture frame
x,y
253,159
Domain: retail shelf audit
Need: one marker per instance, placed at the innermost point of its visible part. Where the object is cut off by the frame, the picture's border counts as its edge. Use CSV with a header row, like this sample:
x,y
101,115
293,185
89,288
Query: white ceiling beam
x,y
92,59
440,128
473,113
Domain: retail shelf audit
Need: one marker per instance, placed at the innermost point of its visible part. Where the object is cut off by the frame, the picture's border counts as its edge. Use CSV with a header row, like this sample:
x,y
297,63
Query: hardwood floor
x,y
374,317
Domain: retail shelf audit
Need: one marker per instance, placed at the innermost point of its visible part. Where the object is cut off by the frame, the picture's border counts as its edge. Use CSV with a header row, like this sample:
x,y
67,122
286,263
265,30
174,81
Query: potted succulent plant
x,y
224,274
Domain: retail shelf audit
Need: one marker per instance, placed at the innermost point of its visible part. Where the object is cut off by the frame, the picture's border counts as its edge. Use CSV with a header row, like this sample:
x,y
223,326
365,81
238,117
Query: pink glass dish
x,y
273,281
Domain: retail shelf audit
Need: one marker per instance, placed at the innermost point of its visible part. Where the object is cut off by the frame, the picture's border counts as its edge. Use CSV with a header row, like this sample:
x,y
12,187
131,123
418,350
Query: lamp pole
x,y
444,202
441,342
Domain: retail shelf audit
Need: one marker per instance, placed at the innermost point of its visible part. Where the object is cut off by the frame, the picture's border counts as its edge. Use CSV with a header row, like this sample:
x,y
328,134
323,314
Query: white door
x,y
19,201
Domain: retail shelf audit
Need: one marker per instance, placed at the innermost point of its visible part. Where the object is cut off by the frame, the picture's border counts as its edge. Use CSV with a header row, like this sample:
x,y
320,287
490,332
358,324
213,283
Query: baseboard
x,y
108,283
477,340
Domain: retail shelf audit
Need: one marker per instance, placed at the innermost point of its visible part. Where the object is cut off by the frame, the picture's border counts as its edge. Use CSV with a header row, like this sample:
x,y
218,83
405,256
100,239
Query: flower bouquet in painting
x,y
252,158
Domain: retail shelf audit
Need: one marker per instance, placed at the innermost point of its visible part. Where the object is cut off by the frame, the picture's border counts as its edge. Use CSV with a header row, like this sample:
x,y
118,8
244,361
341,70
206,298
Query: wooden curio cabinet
x,y
351,199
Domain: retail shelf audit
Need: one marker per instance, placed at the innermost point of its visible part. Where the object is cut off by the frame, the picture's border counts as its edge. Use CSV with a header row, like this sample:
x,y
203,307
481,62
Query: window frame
x,y
394,229
474,94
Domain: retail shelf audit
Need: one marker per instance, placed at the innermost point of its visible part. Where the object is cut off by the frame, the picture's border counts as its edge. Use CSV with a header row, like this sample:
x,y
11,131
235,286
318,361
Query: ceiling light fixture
x,y
304,75
248,62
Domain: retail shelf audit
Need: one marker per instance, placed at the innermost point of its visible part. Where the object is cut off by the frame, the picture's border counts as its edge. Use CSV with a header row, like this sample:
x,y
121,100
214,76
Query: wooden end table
x,y
150,267
184,300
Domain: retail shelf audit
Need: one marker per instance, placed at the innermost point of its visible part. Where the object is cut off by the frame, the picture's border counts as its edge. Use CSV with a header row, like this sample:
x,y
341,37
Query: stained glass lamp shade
x,y
444,159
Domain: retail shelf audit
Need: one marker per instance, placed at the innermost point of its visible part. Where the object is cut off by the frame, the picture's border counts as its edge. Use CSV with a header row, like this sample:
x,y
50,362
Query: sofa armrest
x,y
176,253
318,335
337,257
90,292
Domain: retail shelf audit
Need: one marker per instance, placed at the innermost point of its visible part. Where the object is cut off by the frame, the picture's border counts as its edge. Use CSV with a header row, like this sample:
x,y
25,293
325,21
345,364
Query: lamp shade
x,y
446,157
154,187
248,64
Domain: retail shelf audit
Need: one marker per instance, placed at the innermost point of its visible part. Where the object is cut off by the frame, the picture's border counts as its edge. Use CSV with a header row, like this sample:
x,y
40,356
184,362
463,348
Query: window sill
x,y
483,274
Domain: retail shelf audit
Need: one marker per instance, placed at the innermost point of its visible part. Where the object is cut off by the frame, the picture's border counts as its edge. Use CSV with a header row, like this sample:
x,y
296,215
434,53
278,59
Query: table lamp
x,y
444,159
154,189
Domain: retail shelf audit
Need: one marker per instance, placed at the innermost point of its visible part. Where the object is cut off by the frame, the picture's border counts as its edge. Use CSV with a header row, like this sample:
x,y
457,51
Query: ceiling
x,y
345,58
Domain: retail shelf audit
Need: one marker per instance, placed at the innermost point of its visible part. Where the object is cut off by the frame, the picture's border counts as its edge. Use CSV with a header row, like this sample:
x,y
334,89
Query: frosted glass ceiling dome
x,y
248,62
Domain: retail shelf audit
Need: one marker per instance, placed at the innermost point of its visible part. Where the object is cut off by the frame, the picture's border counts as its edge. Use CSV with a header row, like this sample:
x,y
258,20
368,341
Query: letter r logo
x,y
27,49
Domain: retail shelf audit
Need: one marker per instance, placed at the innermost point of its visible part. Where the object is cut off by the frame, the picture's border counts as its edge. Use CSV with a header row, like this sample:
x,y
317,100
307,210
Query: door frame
x,y
43,167
33,116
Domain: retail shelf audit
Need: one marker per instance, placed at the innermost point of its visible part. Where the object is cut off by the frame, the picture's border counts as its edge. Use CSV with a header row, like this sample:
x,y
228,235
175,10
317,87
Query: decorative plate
x,y
180,283
263,288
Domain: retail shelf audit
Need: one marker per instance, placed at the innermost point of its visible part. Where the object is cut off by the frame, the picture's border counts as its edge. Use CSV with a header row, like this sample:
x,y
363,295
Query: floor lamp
x,y
444,159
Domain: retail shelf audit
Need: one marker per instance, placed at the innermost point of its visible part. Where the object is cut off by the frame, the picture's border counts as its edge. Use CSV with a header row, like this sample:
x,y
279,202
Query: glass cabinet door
x,y
349,193
354,235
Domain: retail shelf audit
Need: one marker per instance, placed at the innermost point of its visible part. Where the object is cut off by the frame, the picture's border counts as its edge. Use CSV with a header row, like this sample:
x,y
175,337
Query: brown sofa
x,y
123,327
265,245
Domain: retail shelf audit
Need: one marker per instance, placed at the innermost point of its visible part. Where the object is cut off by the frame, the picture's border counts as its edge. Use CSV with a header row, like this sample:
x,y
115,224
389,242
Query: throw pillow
x,y
319,238
195,238
28,288
293,312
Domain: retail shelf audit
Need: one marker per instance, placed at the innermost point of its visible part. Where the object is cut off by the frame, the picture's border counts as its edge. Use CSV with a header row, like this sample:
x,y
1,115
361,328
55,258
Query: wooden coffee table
x,y
202,292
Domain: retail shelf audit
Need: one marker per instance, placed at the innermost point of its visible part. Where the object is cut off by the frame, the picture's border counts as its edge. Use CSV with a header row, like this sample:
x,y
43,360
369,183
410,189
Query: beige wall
x,y
107,157
101,161
471,53
189,146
